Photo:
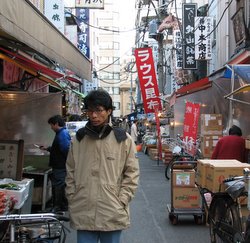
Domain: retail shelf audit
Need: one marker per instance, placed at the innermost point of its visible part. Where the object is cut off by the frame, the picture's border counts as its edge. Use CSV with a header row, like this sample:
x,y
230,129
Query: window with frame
x,y
116,76
117,105
116,45
112,90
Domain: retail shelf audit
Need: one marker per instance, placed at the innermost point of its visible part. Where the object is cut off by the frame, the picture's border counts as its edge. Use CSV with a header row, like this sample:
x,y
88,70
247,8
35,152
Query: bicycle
x,y
177,156
180,154
33,228
224,213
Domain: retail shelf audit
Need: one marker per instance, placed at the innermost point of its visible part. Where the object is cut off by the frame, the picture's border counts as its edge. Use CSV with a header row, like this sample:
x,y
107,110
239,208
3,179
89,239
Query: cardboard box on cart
x,y
217,171
203,165
186,197
183,178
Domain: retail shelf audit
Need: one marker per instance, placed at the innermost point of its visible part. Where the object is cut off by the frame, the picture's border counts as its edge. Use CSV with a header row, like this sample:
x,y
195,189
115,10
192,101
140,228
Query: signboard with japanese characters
x,y
241,32
189,12
54,11
82,19
203,42
147,77
190,127
178,48
90,4
11,159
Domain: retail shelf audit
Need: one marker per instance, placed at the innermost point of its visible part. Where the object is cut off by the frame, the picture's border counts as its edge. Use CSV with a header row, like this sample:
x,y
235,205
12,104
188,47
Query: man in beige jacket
x,y
102,175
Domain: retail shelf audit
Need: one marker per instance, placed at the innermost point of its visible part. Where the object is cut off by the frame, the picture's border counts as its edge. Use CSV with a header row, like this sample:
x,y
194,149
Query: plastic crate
x,y
19,196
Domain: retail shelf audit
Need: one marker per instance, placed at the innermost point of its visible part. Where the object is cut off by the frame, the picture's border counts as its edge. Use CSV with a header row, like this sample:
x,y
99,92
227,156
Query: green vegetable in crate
x,y
10,186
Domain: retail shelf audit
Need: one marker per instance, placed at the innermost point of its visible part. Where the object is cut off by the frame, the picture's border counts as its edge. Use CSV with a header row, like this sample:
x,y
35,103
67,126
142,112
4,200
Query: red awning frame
x,y
40,69
194,87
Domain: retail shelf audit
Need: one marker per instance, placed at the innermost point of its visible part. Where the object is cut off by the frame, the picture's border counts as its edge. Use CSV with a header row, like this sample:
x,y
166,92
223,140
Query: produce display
x,y
10,186
6,203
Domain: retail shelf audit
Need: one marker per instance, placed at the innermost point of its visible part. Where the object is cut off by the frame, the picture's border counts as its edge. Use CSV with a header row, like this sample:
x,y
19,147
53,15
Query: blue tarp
x,y
243,70
240,70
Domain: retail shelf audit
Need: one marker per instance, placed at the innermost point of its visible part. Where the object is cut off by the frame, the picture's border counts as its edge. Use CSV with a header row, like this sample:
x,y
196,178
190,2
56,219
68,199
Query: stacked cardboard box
x,y
167,156
247,144
211,173
185,192
211,131
153,153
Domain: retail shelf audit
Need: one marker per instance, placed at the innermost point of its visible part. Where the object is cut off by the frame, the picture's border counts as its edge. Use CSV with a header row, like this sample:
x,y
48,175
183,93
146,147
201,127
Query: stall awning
x,y
40,69
242,57
193,87
30,70
20,21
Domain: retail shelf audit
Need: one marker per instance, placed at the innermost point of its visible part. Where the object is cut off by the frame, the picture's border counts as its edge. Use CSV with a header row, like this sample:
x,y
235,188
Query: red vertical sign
x,y
147,78
190,128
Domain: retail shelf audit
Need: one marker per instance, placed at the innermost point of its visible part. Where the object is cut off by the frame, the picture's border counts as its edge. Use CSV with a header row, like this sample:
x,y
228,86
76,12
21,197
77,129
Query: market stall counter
x,y
36,167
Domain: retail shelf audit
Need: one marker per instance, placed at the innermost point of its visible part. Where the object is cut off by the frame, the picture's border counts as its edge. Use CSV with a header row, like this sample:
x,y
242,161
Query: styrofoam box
x,y
19,196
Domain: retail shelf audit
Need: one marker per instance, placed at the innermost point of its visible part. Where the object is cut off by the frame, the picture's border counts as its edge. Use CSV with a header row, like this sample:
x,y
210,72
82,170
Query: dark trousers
x,y
60,202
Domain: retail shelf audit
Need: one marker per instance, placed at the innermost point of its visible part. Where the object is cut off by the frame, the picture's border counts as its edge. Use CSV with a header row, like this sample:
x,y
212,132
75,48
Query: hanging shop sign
x,y
178,49
90,4
190,128
54,11
189,12
82,19
147,78
203,42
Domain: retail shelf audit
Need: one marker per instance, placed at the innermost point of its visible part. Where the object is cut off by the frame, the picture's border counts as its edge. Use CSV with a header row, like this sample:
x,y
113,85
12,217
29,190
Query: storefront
x,y
34,58
223,92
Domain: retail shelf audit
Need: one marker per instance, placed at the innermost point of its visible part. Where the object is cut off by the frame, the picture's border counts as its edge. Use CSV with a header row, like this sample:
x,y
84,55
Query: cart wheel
x,y
198,219
173,219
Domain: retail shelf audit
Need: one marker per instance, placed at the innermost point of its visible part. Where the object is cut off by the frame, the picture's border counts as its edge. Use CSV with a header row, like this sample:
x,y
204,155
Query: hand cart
x,y
197,212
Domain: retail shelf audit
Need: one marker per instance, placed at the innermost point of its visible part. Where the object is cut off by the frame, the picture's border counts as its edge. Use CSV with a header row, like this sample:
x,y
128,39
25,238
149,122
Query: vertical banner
x,y
203,42
82,19
147,77
190,128
188,14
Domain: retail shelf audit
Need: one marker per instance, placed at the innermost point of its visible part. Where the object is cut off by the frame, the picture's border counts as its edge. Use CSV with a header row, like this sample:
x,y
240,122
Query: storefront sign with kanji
x,y
188,14
203,41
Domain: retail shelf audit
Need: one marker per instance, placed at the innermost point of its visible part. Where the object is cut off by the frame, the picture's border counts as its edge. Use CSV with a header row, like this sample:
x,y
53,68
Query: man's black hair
x,y
56,119
98,97
234,130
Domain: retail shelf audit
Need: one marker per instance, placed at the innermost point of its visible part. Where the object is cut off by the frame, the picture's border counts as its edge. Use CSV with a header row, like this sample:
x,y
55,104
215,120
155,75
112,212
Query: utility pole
x,y
131,89
161,72
159,38
130,70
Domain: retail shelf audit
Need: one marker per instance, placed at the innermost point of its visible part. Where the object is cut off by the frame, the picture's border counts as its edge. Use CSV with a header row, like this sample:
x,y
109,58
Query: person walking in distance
x,y
134,131
57,161
231,146
102,174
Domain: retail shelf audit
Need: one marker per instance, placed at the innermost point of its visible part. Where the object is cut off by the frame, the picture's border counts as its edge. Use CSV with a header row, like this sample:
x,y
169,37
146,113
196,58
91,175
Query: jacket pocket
x,y
78,201
113,196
